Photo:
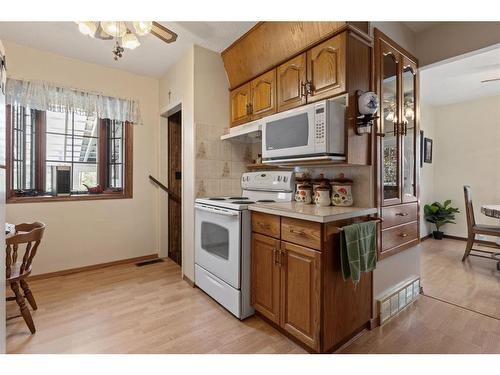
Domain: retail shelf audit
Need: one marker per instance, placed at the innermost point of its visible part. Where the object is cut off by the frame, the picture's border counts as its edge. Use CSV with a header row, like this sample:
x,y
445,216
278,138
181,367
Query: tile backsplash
x,y
219,164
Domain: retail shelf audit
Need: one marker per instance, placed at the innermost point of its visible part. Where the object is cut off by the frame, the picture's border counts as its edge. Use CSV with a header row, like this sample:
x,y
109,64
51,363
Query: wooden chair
x,y
473,229
17,272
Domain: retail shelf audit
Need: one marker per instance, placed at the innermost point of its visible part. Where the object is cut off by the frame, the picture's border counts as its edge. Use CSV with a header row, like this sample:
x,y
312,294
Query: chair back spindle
x,y
29,234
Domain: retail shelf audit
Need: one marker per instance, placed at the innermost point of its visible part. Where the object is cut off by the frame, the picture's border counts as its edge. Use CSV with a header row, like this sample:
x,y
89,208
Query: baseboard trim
x,y
188,280
482,242
92,267
426,237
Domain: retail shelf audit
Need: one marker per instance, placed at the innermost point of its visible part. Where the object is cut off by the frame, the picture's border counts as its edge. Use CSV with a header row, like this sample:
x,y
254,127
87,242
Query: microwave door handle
x,y
217,211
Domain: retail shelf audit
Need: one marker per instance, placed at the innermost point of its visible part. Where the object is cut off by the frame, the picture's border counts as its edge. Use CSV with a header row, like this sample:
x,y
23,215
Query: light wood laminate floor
x,y
129,309
473,284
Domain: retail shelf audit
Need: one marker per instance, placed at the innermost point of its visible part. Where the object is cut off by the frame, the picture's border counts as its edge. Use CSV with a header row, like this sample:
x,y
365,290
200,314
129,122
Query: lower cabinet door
x,y
266,276
300,293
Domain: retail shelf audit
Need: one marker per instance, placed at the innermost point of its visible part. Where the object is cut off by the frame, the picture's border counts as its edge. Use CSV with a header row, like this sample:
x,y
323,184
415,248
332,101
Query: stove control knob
x,y
279,178
285,179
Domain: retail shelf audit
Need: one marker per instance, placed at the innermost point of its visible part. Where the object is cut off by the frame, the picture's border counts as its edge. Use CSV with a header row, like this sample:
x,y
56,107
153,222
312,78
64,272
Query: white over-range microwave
x,y
312,132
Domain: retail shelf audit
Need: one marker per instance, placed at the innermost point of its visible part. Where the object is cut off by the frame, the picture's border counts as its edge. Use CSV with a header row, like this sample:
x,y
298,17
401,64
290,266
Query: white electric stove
x,y
223,235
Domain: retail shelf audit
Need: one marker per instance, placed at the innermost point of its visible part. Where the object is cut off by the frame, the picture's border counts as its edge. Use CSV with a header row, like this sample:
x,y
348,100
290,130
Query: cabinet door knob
x,y
404,235
303,89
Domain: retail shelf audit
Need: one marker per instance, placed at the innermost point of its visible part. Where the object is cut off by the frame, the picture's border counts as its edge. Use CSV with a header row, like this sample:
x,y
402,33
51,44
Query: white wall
x,y
81,233
467,152
427,178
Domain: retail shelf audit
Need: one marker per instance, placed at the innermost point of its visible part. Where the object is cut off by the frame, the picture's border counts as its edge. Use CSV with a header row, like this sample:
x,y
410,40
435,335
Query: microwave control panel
x,y
319,123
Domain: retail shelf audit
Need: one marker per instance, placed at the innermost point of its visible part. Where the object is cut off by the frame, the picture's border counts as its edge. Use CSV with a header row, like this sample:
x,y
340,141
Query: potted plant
x,y
439,215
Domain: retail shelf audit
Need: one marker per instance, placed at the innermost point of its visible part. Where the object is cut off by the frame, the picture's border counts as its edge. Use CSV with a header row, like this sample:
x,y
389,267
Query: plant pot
x,y
438,235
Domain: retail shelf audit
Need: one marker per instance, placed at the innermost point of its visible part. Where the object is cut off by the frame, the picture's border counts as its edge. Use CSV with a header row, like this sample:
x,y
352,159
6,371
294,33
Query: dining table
x,y
493,211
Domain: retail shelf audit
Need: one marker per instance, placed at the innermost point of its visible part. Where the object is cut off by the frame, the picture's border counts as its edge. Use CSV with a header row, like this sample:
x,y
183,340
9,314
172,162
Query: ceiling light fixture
x,y
130,41
143,27
121,32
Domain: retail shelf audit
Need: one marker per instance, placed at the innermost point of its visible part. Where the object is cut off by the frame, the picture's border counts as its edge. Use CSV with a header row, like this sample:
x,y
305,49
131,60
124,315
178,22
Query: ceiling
x,y
460,80
152,58
420,26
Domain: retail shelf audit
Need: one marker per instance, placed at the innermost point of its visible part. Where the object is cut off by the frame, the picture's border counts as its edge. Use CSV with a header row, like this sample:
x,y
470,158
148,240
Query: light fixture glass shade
x,y
116,29
130,41
143,27
87,27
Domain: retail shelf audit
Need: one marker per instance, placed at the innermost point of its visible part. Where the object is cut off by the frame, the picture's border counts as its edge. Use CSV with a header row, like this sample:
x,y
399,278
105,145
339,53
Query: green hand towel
x,y
358,249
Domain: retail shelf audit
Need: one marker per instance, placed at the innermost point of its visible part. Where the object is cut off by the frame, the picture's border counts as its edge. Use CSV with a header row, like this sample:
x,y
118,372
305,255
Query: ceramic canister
x,y
342,194
322,196
299,182
304,193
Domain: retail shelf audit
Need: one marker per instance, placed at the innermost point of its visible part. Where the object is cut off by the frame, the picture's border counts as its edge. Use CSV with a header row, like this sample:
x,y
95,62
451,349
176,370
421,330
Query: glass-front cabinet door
x,y
390,150
408,128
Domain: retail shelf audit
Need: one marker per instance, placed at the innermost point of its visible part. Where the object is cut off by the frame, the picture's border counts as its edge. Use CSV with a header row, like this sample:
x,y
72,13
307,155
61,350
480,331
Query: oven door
x,y
289,134
218,242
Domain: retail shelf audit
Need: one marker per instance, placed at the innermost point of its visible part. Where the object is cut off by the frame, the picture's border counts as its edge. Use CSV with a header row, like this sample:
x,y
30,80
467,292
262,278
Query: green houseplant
x,y
439,215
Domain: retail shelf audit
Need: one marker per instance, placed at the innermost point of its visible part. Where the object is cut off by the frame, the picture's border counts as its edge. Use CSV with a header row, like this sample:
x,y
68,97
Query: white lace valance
x,y
44,96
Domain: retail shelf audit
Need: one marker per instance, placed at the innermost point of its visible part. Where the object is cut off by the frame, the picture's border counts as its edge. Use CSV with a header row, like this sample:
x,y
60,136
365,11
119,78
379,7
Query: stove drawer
x,y
220,291
266,224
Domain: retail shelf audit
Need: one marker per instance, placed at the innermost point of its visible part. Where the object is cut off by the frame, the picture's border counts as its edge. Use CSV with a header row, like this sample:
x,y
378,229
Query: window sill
x,y
82,197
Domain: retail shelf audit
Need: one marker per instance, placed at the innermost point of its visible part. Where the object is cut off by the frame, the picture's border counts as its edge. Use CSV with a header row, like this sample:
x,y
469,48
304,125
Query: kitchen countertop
x,y
312,212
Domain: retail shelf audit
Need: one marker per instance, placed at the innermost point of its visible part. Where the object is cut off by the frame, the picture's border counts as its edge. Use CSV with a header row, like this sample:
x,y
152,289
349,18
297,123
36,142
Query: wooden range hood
x,y
269,44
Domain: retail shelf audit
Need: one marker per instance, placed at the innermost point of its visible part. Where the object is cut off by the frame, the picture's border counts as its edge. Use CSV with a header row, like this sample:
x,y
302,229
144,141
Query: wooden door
x,y
266,276
300,293
326,68
240,105
291,78
263,98
175,187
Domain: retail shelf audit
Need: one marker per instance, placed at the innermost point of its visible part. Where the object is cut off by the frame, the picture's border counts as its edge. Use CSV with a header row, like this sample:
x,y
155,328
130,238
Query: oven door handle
x,y
215,210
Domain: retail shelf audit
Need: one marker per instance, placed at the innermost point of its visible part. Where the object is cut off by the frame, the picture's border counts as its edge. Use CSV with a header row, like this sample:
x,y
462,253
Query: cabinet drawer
x,y
306,233
266,224
399,235
400,214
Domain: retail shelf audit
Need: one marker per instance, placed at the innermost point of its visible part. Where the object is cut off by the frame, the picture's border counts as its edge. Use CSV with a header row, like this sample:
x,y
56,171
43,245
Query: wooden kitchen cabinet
x,y
326,69
240,105
263,95
254,100
266,276
291,83
300,292
398,156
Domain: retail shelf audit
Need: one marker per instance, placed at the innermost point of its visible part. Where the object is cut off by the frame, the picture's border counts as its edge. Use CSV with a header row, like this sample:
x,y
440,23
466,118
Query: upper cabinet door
x,y
263,101
409,131
326,69
240,105
391,142
291,81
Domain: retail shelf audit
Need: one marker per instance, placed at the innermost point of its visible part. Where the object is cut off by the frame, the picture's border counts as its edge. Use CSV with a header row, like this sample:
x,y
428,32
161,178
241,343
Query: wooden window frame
x,y
125,193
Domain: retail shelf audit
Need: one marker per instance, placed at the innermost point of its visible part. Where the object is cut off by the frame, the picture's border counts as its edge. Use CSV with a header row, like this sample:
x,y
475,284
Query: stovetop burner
x,y
242,202
217,199
239,198
266,201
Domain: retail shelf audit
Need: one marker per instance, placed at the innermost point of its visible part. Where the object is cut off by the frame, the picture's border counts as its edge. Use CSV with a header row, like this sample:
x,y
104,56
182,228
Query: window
x,y
93,149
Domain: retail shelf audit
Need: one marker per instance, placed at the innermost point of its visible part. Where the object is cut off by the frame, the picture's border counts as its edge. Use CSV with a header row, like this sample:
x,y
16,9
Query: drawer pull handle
x,y
297,232
404,235
265,226
402,214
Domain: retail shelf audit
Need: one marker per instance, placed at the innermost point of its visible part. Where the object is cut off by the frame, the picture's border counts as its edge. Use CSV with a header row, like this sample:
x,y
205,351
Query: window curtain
x,y
45,96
